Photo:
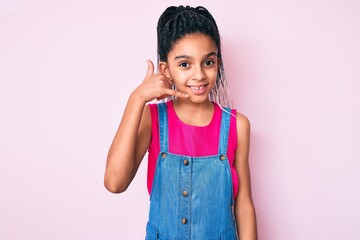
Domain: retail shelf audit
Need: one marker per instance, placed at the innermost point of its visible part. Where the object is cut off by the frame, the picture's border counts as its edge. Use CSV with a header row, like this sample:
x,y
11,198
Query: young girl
x,y
198,173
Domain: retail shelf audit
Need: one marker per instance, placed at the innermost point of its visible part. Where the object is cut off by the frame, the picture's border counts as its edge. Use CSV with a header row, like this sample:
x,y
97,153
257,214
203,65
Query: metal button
x,y
222,157
186,162
163,155
185,193
184,221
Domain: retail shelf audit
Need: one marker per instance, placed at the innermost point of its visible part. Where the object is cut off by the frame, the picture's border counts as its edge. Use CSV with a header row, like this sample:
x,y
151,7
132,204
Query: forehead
x,y
196,44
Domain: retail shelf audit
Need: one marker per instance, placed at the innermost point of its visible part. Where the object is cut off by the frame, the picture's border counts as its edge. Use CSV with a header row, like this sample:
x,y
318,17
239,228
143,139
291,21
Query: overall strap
x,y
224,131
163,127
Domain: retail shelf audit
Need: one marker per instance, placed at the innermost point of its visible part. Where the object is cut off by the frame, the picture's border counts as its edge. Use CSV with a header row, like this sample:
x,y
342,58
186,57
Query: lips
x,y
198,89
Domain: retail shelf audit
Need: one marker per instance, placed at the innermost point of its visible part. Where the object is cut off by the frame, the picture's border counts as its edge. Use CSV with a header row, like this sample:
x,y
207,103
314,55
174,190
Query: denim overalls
x,y
191,197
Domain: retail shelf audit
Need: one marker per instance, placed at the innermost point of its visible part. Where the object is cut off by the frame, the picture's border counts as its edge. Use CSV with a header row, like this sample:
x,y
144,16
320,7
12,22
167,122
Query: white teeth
x,y
197,88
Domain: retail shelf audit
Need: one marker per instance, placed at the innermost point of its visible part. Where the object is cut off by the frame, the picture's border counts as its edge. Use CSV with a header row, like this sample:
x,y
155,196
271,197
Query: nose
x,y
198,73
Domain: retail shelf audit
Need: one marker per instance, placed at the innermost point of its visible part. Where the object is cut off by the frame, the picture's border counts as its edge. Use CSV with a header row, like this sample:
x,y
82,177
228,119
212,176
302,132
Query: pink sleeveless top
x,y
188,140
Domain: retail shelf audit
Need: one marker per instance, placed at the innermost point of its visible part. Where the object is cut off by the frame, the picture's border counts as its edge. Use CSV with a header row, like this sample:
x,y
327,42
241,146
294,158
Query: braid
x,y
168,14
176,22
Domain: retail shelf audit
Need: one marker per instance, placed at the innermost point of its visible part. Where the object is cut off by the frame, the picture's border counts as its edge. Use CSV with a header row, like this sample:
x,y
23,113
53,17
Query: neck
x,y
191,106
196,114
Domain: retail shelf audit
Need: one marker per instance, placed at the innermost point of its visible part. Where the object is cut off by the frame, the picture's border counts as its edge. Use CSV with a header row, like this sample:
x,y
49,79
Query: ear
x,y
164,69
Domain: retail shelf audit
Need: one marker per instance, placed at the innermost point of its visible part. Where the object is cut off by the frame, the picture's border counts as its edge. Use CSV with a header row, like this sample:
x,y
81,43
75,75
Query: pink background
x,y
67,68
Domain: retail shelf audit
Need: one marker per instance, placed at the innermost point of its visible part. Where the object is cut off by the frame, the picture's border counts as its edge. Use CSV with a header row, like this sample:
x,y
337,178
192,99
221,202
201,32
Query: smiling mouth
x,y
199,90
198,87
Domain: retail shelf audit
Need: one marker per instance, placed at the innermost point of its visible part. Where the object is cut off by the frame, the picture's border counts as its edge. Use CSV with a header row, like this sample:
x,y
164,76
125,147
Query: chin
x,y
199,99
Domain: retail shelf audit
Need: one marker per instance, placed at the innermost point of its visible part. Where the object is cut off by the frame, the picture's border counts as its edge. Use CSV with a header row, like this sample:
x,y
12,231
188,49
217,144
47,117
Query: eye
x,y
209,62
183,64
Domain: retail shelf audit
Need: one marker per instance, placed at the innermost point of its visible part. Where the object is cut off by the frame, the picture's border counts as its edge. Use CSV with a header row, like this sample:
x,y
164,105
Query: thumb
x,y
150,70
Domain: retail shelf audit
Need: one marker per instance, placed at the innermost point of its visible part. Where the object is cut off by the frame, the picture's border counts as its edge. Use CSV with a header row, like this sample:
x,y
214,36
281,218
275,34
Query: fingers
x,y
150,70
171,92
161,82
165,80
180,94
169,81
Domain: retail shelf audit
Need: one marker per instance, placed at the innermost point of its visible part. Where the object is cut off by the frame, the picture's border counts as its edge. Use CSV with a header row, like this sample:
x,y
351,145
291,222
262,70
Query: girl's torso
x,y
191,140
192,192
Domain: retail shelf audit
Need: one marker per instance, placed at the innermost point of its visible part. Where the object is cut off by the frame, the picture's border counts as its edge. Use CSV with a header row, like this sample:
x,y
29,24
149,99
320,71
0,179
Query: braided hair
x,y
175,23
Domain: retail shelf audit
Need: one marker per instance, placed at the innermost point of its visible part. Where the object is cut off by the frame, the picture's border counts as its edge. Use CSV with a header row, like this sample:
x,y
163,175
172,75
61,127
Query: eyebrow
x,y
188,57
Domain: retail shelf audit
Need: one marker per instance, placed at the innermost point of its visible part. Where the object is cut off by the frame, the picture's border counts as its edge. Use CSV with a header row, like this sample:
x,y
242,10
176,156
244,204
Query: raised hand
x,y
156,86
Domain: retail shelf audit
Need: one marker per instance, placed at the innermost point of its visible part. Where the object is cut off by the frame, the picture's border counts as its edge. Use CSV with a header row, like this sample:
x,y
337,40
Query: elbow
x,y
117,179
115,187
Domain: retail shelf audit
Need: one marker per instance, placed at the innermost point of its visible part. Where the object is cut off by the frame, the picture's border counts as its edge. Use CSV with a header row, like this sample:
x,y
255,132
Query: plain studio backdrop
x,y
68,67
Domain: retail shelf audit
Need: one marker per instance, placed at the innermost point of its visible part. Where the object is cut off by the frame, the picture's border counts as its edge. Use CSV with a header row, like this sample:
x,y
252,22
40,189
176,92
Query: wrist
x,y
138,97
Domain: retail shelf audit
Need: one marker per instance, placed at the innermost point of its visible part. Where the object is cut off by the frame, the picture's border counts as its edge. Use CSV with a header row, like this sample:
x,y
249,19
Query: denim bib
x,y
191,197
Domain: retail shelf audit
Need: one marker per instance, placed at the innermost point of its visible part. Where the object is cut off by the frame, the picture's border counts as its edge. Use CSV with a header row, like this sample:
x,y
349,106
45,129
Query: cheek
x,y
179,75
213,74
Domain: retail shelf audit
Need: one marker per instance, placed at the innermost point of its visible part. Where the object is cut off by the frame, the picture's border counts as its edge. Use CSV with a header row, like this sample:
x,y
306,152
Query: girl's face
x,y
193,65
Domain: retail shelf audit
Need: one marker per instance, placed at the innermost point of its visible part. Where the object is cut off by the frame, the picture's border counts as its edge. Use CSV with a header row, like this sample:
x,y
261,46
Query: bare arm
x,y
133,136
244,208
129,145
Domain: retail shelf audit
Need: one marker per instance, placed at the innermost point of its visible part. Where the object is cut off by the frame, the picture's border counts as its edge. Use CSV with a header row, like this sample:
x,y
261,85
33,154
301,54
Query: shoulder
x,y
242,121
146,117
154,106
151,112
242,126
151,109
151,106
